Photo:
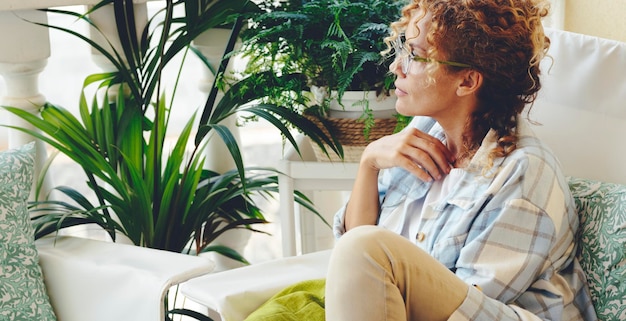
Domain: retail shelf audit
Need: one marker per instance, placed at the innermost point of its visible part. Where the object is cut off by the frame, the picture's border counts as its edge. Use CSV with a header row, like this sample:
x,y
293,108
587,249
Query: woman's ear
x,y
471,81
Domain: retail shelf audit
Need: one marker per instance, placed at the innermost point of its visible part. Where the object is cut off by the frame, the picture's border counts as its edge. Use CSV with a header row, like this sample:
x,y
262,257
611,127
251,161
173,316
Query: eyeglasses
x,y
406,56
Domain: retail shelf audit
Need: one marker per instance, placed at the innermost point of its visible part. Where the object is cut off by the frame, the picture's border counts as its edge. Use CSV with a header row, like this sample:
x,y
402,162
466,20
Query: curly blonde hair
x,y
502,39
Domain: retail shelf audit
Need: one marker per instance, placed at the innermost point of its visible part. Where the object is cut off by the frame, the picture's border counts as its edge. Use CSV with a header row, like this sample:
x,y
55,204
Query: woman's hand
x,y
419,153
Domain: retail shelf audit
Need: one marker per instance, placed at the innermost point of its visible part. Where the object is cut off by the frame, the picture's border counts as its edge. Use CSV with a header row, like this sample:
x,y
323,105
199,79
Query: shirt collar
x,y
480,158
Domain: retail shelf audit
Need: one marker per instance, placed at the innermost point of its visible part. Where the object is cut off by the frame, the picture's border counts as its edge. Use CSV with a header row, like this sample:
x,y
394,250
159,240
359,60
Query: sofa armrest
x,y
232,295
94,280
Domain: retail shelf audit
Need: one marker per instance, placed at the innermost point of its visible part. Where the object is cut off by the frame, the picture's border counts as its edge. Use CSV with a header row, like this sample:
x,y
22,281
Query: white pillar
x,y
212,44
107,37
24,55
104,18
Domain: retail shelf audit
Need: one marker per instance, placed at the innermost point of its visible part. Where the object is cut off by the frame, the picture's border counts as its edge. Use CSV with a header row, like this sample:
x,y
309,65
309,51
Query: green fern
x,y
325,40
333,43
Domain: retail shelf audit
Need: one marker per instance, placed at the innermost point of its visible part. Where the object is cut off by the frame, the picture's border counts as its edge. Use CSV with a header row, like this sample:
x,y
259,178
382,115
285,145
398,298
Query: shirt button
x,y
421,236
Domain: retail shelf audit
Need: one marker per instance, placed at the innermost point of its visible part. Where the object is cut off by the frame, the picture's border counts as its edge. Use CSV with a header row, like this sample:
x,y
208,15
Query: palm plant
x,y
157,198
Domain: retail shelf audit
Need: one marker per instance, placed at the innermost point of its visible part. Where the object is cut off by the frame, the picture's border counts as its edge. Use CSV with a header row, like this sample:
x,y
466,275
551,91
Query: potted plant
x,y
156,197
329,47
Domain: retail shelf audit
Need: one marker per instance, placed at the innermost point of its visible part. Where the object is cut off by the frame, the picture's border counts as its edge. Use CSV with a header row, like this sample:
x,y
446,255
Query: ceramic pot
x,y
353,104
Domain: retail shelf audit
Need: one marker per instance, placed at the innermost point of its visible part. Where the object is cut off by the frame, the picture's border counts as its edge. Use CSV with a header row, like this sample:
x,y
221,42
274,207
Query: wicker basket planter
x,y
349,132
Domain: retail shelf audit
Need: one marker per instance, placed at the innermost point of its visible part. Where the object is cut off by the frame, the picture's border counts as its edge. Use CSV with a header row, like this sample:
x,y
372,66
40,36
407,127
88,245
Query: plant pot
x,y
353,104
345,123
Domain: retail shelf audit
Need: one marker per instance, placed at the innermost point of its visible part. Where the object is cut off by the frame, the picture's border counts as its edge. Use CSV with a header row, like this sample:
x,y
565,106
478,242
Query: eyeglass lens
x,y
402,53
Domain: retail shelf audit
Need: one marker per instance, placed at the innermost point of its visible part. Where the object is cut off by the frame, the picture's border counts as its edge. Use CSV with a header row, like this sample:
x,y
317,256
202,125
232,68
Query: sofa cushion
x,y
602,251
22,291
303,300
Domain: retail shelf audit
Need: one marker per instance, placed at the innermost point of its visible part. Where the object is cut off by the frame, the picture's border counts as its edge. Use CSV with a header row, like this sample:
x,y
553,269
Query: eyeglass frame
x,y
407,56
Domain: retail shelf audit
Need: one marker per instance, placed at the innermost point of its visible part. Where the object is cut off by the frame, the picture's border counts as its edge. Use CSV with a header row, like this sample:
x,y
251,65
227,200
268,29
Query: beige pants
x,y
378,275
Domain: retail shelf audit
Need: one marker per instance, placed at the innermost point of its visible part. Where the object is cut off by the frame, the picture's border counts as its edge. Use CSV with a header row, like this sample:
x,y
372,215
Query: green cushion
x,y
301,301
22,292
602,251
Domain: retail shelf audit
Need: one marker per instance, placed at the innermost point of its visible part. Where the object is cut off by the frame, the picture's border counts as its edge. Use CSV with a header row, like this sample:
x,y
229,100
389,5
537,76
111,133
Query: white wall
x,y
602,18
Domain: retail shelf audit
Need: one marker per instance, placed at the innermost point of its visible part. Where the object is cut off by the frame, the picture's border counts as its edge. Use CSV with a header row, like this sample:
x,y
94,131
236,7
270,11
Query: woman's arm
x,y
363,206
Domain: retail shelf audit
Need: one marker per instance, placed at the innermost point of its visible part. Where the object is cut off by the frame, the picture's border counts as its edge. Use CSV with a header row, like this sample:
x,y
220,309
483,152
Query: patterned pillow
x,y
22,292
602,251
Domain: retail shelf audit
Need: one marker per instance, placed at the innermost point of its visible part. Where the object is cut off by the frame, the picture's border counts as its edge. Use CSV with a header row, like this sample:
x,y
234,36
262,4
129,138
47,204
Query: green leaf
x,y
226,251
231,144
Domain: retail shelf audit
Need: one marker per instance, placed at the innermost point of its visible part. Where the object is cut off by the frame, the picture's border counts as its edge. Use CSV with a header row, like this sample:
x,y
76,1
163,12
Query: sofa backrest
x,y
581,109
582,105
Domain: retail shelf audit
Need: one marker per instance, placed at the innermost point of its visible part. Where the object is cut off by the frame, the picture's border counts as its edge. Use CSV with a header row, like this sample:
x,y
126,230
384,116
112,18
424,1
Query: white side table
x,y
307,174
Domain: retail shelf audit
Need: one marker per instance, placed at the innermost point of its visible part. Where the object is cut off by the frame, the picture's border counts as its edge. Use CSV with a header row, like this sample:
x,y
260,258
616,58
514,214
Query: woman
x,y
466,214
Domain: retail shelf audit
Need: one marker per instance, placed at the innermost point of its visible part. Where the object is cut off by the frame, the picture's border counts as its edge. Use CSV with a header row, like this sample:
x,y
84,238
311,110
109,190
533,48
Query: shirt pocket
x,y
448,249
462,203
392,212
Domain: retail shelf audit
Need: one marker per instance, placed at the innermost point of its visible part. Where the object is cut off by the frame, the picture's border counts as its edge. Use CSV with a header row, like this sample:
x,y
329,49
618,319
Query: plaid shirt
x,y
510,231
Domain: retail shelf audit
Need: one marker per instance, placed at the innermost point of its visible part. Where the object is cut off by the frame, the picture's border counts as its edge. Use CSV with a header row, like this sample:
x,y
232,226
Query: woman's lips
x,y
400,92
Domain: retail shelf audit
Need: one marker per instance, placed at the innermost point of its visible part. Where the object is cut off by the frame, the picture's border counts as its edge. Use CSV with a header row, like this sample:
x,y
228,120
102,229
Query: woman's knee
x,y
363,239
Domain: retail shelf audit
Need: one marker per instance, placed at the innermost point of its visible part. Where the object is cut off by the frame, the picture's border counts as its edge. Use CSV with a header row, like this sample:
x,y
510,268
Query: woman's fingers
x,y
419,153
429,153
424,169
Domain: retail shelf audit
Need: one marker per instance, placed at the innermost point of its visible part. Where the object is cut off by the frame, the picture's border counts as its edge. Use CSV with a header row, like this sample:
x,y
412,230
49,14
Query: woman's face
x,y
417,96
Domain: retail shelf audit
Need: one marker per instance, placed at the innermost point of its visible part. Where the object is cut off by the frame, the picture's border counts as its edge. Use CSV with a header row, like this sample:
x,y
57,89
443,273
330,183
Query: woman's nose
x,y
396,68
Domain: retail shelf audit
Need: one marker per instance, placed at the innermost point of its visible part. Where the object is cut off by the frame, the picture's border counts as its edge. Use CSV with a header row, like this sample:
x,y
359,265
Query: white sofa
x,y
582,111
102,281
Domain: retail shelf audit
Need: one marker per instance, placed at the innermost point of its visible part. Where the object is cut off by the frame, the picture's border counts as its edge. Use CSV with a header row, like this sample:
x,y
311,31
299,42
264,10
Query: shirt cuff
x,y
468,310
478,306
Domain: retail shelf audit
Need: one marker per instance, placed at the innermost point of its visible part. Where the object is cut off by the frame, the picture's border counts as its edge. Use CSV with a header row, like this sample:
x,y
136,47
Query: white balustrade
x,y
24,55
106,35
